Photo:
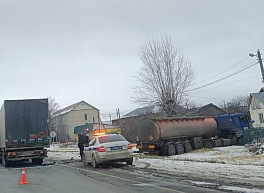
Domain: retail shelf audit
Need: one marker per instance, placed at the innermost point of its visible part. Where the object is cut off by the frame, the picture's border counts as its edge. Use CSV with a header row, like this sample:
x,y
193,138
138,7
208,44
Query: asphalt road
x,y
74,178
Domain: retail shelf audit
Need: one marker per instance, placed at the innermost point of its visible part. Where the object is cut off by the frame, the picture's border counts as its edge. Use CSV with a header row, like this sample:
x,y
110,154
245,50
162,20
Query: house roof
x,y
258,96
201,110
69,108
148,110
262,89
141,111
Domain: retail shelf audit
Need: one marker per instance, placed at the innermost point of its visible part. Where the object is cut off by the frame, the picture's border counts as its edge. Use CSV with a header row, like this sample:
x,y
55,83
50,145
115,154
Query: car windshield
x,y
111,138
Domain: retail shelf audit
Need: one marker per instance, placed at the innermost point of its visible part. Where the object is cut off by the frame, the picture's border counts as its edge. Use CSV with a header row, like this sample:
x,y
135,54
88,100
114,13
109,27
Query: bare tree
x,y
165,75
191,104
238,104
53,108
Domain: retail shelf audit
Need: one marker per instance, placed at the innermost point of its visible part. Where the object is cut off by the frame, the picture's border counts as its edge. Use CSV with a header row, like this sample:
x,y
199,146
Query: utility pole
x,y
110,118
260,63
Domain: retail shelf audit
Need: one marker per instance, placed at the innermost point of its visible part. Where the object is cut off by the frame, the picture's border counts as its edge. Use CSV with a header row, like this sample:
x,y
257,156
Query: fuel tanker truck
x,y
170,136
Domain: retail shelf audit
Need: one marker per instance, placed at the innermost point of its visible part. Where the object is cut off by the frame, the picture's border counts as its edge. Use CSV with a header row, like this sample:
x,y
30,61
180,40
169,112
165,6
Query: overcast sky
x,y
88,50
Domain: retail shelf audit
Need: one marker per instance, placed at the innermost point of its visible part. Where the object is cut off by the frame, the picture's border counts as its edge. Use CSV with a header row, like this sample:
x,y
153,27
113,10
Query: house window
x,y
85,117
261,118
258,105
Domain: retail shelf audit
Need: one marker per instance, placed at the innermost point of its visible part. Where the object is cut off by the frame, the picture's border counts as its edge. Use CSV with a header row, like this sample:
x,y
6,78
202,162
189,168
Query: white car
x,y
108,148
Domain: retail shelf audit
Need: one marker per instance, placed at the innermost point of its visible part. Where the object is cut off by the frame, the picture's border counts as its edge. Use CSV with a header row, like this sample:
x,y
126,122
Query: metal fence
x,y
254,135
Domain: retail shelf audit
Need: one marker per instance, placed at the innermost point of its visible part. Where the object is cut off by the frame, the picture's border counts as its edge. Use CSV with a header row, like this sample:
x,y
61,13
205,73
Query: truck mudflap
x,y
146,147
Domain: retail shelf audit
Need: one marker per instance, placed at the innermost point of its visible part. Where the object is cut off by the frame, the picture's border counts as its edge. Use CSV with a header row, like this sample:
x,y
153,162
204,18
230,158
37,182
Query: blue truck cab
x,y
232,125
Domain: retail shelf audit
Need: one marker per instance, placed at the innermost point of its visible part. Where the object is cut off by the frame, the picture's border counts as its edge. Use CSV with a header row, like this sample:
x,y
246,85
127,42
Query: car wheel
x,y
85,163
129,162
95,164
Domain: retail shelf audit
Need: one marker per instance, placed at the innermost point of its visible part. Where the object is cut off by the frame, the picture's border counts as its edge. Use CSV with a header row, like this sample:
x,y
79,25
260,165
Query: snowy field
x,y
59,152
233,165
231,168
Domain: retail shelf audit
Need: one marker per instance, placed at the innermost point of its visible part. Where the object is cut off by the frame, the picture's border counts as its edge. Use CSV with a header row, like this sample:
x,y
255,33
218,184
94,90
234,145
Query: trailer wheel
x,y
171,149
188,147
208,144
180,148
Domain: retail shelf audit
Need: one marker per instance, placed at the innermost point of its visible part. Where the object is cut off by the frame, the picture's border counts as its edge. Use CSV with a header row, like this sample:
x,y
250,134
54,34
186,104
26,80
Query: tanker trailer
x,y
170,136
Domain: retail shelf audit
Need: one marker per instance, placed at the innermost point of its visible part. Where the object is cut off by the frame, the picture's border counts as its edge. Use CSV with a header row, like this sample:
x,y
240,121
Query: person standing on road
x,y
80,144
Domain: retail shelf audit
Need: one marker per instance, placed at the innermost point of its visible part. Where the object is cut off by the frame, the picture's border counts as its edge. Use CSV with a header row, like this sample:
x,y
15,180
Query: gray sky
x,y
88,50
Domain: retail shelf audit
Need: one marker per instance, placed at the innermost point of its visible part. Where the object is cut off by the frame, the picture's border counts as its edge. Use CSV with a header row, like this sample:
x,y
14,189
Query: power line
x,y
229,83
223,78
202,97
223,71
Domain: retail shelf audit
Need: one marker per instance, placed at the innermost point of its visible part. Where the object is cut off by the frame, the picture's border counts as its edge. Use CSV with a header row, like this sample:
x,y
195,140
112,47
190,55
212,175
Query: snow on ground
x,y
224,165
63,152
231,168
238,189
238,155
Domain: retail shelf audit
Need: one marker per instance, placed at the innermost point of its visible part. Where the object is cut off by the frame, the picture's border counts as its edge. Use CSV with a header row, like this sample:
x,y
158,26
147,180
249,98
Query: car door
x,y
89,150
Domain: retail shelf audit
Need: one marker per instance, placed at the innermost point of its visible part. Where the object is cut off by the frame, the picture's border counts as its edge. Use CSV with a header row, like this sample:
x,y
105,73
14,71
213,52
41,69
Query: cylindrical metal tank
x,y
151,131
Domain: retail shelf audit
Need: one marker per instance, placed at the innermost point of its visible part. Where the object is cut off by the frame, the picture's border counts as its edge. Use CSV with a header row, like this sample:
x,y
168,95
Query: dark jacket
x,y
81,141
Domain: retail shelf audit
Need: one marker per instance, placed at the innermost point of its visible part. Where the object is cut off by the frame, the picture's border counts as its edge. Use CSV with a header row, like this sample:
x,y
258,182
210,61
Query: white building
x,y
65,120
256,108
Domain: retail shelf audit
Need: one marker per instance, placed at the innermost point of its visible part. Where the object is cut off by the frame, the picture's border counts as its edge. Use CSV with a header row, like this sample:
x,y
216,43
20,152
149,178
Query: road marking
x,y
136,182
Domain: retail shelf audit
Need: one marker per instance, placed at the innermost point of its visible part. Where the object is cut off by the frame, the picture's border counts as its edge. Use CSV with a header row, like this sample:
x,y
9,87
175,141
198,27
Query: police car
x,y
105,148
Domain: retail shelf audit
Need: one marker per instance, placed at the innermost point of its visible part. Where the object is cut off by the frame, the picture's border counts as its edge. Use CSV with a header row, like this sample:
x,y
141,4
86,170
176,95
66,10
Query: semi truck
x,y
177,135
23,130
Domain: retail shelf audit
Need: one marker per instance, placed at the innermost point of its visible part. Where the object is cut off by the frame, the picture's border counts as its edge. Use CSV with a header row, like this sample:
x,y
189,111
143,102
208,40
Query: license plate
x,y
27,153
116,147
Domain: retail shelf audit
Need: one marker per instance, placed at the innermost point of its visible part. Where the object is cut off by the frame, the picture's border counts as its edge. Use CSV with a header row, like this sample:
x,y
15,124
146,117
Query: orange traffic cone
x,y
23,177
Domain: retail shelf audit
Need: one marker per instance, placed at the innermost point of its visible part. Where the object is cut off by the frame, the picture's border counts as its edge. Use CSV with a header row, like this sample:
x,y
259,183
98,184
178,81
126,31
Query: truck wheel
x,y
171,149
37,161
234,140
239,140
208,144
188,147
180,148
95,164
